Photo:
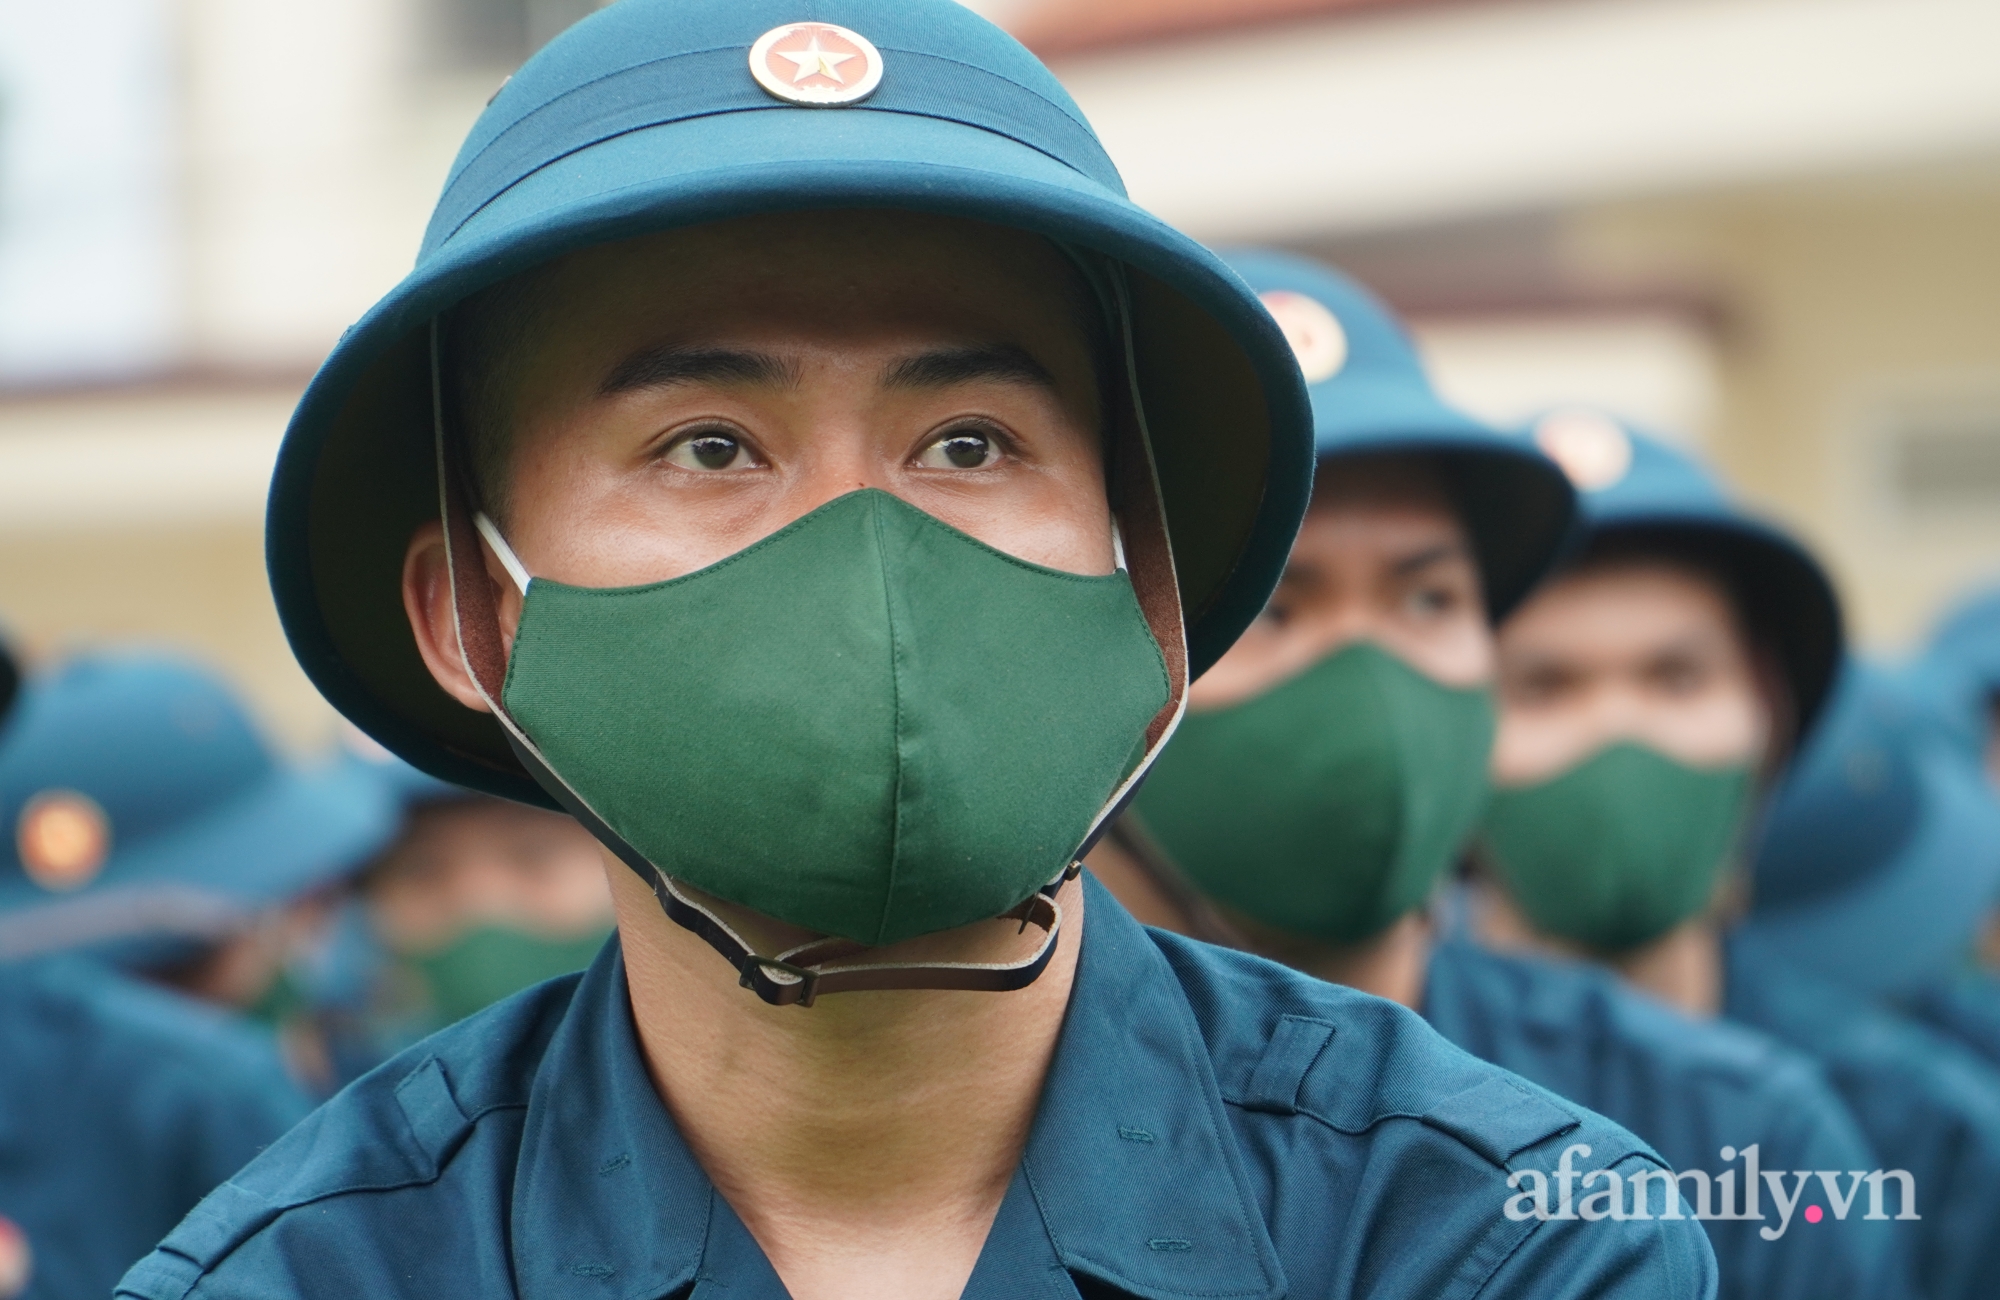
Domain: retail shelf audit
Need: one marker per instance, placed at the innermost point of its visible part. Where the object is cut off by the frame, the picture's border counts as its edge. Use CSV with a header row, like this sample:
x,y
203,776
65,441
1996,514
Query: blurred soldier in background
x,y
150,829
476,898
1959,671
1650,694
1334,765
1958,676
1879,863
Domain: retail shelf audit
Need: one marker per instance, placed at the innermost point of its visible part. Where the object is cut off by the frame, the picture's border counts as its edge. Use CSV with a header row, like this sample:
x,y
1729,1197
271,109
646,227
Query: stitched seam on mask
x,y
761,544
934,522
800,523
896,748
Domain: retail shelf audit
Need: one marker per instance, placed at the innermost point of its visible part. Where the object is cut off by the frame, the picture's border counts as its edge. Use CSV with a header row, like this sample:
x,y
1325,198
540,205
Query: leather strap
x,y
801,974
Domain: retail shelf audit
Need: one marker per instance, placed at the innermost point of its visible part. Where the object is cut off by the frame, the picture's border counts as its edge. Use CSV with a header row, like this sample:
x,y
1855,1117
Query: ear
x,y
427,601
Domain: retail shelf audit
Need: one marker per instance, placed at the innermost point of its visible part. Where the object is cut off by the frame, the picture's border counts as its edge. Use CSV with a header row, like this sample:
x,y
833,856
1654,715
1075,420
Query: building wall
x,y
1858,314
136,516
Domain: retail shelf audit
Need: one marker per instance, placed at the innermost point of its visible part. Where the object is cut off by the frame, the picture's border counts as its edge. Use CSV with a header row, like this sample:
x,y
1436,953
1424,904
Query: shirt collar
x,y
1131,1174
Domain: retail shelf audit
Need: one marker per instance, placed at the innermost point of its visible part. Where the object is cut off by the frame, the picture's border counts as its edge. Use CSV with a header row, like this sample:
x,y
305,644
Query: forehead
x,y
1378,504
1624,607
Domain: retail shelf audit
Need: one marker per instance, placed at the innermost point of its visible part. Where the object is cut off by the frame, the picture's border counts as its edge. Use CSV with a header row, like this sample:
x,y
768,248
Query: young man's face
x,y
472,862
1382,557
1645,651
677,397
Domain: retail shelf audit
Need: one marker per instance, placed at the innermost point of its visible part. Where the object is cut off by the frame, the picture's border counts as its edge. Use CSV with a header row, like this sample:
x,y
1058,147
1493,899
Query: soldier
x,y
772,461
1879,860
1957,679
1651,694
150,828
475,899
1333,767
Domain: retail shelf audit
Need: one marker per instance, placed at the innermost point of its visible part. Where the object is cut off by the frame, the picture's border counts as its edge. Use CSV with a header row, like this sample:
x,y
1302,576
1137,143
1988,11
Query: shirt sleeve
x,y
1608,1258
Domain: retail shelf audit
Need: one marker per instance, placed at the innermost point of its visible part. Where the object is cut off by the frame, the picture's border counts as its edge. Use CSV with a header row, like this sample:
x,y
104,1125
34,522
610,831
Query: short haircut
x,y
485,338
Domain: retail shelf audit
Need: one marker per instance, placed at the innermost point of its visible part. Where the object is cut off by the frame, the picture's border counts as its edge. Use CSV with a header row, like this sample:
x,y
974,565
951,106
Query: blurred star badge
x,y
63,839
1591,448
1314,333
16,1261
816,64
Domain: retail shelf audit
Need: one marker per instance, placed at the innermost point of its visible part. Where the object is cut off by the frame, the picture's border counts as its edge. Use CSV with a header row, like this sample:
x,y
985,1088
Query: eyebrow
x,y
1425,558
943,367
1691,644
668,366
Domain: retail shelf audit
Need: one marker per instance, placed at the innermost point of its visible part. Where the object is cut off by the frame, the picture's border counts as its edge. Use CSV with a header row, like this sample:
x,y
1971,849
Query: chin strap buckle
x,y
797,976
779,982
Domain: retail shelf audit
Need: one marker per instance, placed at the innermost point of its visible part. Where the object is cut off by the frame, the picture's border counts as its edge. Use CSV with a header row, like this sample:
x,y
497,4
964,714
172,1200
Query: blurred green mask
x,y
491,962
1620,848
1330,804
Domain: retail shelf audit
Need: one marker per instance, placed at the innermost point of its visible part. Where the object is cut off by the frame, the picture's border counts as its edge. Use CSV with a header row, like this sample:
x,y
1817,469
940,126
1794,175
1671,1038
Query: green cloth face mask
x,y
1329,805
490,962
868,724
1620,848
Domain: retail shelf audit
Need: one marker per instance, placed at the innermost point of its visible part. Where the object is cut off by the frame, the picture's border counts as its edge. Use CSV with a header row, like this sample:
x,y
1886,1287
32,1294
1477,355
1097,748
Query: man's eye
x,y
1429,602
709,451
966,449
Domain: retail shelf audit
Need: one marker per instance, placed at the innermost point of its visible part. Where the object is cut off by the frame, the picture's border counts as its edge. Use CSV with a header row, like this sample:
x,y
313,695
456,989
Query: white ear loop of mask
x,y
508,560
1117,546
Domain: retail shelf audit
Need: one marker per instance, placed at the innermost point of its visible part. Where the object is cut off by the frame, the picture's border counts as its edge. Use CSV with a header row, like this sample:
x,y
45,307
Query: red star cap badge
x,y
17,1263
1313,331
63,839
816,64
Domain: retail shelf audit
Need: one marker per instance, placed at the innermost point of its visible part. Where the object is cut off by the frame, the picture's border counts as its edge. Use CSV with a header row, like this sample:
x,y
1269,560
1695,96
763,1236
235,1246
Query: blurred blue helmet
x,y
1960,668
143,804
655,114
1370,395
1880,853
1639,493
406,787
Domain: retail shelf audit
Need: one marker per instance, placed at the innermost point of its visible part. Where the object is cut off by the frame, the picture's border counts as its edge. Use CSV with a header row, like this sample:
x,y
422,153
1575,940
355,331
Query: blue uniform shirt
x,y
1212,1125
121,1106
1965,1010
1689,1088
1926,1104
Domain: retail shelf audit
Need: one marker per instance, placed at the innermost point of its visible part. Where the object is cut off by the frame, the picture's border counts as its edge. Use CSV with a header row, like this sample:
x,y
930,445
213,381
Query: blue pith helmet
x,y
140,803
647,116
1959,671
1880,853
1638,490
1370,395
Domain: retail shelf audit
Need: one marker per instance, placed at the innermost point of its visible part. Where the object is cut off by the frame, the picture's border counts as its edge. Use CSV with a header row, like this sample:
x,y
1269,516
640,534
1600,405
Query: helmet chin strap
x,y
802,973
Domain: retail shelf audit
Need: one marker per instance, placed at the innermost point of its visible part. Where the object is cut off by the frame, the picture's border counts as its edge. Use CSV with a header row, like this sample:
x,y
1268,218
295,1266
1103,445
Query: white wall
x,y
1366,120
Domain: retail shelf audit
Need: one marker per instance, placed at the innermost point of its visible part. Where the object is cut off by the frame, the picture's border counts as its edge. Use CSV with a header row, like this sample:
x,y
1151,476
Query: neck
x,y
1390,965
1682,968
867,1141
